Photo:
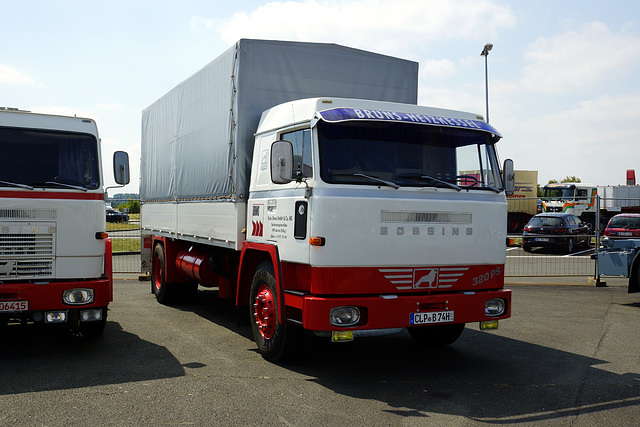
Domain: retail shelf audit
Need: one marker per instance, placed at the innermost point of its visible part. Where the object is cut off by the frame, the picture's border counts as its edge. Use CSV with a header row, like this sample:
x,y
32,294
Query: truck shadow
x,y
37,359
482,376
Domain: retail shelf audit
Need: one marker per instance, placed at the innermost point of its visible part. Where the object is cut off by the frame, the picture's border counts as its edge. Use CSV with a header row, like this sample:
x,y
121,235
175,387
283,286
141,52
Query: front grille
x,y
26,245
28,214
27,249
26,268
426,217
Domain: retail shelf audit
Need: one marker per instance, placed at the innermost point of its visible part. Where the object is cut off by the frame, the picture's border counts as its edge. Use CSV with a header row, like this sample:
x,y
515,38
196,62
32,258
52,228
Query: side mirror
x,y
121,167
509,177
281,162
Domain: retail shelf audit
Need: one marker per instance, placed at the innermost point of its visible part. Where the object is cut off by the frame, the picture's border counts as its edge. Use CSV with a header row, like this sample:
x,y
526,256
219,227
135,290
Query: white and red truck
x,y
304,183
580,199
55,255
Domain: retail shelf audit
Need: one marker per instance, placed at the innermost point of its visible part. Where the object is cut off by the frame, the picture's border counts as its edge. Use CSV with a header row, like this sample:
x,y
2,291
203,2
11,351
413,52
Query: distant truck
x,y
580,200
55,256
303,182
522,204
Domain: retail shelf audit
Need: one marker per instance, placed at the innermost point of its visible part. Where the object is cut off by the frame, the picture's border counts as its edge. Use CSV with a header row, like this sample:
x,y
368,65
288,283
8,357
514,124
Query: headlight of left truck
x,y
78,296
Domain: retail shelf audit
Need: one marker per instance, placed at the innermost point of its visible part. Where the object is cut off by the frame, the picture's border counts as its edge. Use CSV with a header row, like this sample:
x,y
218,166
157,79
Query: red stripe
x,y
37,194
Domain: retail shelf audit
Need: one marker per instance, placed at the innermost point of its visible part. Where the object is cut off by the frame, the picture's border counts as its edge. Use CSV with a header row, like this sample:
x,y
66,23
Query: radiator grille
x,y
26,268
426,217
28,214
26,245
27,249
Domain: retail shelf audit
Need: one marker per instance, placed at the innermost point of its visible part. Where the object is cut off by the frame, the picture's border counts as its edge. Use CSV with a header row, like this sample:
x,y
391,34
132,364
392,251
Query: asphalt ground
x,y
569,356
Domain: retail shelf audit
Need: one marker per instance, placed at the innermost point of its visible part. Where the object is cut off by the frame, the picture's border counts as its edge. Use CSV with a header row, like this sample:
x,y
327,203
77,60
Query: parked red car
x,y
623,226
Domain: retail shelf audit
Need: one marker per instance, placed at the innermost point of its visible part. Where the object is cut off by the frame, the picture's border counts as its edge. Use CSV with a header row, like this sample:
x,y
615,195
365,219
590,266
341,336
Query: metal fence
x,y
539,262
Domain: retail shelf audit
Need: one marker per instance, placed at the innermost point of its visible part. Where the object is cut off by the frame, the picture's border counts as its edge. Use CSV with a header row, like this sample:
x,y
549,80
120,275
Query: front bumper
x,y
394,311
47,297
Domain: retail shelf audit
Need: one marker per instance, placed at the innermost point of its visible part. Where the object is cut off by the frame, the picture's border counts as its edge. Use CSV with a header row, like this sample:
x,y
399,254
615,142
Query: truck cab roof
x,y
342,109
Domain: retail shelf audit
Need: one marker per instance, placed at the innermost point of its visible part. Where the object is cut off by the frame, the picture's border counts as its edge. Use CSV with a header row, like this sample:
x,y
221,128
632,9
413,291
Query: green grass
x,y
125,245
112,226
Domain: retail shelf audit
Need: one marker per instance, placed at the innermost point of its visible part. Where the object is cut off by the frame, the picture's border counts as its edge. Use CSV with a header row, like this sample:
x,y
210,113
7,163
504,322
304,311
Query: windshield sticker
x,y
342,114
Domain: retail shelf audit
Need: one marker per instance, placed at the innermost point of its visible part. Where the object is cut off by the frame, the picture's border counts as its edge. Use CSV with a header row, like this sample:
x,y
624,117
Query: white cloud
x,y
579,59
378,25
437,69
199,23
597,141
112,107
11,76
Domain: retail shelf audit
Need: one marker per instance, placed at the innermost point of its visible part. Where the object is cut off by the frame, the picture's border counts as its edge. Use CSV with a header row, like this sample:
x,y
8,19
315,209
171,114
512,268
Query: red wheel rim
x,y
264,311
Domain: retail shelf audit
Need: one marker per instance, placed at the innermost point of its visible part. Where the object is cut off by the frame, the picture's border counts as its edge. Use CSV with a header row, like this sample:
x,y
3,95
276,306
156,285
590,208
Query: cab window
x,y
301,140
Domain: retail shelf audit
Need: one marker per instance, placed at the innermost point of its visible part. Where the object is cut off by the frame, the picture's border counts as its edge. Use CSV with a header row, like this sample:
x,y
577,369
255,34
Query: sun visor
x,y
335,115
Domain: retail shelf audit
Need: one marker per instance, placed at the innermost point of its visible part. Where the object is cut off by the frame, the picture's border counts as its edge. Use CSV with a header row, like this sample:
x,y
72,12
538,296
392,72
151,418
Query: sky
x,y
563,83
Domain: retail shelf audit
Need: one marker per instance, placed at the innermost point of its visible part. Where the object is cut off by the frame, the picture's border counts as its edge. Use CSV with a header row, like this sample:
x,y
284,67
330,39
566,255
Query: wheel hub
x,y
264,311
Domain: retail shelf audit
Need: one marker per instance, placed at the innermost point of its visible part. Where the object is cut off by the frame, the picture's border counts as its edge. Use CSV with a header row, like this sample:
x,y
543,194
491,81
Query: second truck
x,y
303,181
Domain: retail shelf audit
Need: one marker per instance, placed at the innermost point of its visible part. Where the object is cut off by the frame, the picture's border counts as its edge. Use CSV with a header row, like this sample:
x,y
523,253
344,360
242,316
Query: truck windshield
x,y
558,193
52,159
403,154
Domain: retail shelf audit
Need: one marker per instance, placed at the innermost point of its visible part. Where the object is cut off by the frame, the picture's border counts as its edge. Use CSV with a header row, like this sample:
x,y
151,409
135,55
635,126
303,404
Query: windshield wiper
x,y
62,184
376,179
370,178
439,181
16,184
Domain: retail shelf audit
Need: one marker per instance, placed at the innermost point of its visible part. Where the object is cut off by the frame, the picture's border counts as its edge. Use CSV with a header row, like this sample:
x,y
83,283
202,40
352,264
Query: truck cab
x,y
55,255
569,198
391,203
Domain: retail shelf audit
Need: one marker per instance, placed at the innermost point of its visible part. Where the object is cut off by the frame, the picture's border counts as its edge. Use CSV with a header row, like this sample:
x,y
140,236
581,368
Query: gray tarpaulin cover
x,y
191,148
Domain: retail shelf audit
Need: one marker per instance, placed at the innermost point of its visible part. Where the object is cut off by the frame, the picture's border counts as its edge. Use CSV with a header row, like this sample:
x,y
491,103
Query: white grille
x,y
426,217
26,245
26,268
27,249
28,213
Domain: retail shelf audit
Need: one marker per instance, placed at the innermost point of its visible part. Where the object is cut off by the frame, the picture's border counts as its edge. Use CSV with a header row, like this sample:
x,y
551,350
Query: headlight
x,y
495,307
78,296
55,316
344,316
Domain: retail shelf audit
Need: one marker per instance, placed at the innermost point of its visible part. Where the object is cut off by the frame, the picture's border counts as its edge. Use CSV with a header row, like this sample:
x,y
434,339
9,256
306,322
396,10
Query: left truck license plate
x,y
431,317
13,306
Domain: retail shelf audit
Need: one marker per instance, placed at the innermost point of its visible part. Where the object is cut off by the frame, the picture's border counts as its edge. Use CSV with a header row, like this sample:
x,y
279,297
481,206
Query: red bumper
x,y
48,296
391,311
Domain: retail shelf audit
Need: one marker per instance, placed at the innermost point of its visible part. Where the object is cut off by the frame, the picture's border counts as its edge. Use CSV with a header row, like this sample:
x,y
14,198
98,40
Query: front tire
x,y
276,342
436,335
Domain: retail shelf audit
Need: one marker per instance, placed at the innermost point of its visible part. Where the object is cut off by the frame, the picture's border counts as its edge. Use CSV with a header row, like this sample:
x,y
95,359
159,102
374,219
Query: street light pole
x,y
485,53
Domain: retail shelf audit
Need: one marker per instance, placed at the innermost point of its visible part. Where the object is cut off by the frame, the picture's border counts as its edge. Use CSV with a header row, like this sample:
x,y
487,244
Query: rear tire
x,y
163,291
276,342
436,335
526,248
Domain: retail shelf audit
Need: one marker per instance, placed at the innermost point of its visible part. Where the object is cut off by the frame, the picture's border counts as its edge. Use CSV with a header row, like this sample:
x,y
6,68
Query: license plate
x,y
13,306
541,239
431,317
625,233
